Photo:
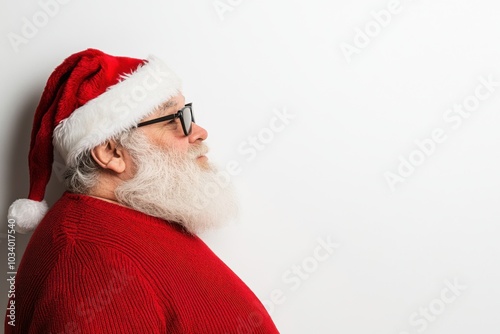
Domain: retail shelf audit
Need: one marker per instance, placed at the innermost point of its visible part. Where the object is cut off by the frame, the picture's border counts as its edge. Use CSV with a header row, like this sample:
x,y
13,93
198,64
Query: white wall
x,y
321,178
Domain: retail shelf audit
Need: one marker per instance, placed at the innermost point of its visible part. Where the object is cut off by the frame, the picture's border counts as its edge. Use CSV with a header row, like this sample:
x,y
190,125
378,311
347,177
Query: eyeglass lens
x,y
187,118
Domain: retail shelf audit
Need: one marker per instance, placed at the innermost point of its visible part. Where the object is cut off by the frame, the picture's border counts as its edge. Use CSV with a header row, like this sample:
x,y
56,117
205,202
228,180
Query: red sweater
x,y
96,267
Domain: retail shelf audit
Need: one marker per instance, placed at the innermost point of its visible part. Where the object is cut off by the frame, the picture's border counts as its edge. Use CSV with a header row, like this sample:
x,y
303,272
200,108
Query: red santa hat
x,y
88,99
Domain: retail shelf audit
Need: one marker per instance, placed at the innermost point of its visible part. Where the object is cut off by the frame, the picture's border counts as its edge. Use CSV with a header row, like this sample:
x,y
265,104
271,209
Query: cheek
x,y
169,140
172,143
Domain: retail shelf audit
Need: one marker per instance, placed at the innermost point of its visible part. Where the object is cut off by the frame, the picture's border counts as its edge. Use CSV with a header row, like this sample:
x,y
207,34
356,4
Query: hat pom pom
x,y
27,214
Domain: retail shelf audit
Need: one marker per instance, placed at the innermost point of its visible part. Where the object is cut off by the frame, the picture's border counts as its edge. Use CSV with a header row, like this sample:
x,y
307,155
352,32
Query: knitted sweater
x,y
96,267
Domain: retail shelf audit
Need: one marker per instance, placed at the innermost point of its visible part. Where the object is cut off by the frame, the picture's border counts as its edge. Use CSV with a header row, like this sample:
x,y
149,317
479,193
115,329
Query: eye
x,y
171,124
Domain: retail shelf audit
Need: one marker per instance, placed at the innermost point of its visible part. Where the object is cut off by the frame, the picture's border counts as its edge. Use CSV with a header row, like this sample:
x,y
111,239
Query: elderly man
x,y
118,253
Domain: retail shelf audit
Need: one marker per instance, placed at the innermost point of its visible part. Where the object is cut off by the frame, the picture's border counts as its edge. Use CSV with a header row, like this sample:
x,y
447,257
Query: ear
x,y
110,156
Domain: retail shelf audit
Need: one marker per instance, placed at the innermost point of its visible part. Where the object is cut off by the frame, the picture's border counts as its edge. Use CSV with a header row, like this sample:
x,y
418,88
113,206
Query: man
x,y
118,253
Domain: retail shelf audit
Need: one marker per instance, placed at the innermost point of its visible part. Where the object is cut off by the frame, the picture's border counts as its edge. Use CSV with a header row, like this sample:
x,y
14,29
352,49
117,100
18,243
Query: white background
x,y
322,176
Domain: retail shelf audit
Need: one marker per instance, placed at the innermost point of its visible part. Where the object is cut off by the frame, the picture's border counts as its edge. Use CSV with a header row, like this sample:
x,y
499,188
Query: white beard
x,y
176,187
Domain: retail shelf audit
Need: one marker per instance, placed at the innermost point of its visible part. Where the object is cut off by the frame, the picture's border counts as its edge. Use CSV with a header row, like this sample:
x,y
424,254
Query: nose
x,y
197,133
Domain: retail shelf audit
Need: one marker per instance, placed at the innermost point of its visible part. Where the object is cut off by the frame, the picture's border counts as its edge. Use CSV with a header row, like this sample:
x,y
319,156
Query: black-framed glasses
x,y
185,115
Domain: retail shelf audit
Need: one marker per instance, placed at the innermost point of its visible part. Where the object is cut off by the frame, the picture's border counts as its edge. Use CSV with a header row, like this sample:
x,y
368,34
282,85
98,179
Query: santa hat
x,y
90,98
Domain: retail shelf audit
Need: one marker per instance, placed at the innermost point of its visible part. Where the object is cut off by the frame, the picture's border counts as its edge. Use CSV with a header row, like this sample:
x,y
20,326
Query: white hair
x,y
84,176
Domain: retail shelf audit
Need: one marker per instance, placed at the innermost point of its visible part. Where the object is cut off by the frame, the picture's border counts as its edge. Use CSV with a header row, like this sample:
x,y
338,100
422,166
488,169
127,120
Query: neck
x,y
104,189
103,194
105,199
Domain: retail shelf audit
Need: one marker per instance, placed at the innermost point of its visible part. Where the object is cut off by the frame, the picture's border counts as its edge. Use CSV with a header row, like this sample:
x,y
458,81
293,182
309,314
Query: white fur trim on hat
x,y
119,108
27,214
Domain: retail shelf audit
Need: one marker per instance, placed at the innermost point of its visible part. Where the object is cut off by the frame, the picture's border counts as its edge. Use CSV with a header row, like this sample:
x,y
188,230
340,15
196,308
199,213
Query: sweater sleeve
x,y
97,290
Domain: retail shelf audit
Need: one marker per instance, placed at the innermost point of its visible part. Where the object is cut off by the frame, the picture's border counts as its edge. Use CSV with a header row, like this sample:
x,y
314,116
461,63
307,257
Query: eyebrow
x,y
164,106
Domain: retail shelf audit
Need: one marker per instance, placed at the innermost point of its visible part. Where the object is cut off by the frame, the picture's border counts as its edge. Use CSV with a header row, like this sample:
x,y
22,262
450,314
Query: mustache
x,y
198,150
